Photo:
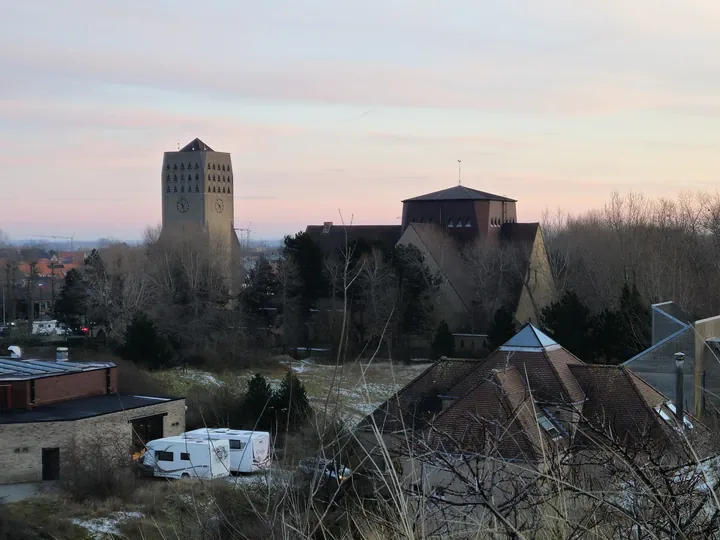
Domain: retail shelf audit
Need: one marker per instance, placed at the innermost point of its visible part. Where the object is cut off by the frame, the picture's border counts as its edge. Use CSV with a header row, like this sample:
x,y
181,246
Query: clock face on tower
x,y
183,205
219,206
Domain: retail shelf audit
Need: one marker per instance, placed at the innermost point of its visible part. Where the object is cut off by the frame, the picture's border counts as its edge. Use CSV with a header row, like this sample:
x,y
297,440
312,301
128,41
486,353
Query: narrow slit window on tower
x,y
175,167
223,167
182,189
189,165
223,189
168,177
196,166
208,166
182,177
450,223
222,178
182,166
197,189
459,223
467,222
175,190
175,178
168,189
167,166
213,166
197,176
229,190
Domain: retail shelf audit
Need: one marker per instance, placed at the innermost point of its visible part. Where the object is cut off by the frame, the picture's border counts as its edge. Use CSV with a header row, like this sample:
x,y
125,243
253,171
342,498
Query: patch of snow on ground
x,y
107,526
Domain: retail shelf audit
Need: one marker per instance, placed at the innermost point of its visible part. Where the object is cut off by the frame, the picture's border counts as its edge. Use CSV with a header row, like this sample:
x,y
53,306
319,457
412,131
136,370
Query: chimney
x,y
679,399
61,354
326,227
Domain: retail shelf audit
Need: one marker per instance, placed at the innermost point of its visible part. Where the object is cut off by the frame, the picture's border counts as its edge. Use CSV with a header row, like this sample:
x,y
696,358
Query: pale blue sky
x,y
329,106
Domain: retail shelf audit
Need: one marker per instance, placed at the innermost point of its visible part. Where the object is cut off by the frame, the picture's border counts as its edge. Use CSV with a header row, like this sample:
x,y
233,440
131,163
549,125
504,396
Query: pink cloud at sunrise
x,y
327,107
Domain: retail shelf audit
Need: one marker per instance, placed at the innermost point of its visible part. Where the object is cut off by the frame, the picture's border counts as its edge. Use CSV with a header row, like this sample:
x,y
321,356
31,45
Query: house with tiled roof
x,y
530,399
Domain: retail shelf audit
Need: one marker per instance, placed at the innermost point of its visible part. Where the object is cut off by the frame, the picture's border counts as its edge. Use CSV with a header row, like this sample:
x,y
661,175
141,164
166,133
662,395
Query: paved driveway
x,y
10,493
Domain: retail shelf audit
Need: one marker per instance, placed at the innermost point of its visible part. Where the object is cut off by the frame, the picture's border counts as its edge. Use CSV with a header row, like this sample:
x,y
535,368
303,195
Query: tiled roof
x,y
547,372
620,402
406,408
338,236
459,193
196,145
498,404
499,415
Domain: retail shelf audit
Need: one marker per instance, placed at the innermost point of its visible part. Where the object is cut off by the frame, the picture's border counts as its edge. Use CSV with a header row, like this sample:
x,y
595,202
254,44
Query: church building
x,y
197,199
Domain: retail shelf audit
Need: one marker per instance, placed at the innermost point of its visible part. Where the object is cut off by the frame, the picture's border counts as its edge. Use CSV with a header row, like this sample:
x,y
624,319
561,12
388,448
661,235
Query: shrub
x,y
98,467
258,403
291,406
443,343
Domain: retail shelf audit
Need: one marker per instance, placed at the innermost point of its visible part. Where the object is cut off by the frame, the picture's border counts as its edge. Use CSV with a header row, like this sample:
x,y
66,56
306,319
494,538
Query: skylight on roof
x,y
530,337
550,428
670,418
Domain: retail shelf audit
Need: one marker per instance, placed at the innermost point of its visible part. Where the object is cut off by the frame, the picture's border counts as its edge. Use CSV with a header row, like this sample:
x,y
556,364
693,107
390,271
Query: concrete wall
x,y
707,366
657,366
21,444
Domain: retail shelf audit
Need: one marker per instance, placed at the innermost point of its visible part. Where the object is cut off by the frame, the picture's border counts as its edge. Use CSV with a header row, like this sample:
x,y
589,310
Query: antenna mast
x,y
459,178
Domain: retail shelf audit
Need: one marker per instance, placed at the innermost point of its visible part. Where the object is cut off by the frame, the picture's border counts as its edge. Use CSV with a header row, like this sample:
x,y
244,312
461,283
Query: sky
x,y
337,110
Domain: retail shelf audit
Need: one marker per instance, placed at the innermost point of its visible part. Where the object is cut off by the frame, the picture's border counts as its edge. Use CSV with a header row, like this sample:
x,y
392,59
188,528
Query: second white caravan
x,y
187,457
249,450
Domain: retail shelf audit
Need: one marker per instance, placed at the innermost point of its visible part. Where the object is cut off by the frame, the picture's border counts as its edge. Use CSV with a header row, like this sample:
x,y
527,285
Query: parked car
x,y
323,468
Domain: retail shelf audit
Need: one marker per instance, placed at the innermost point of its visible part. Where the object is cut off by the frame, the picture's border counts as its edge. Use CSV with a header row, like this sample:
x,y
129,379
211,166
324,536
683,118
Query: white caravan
x,y
187,457
249,450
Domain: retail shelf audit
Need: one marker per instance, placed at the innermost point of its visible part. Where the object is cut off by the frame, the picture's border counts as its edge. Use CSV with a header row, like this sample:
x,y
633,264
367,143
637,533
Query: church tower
x,y
197,197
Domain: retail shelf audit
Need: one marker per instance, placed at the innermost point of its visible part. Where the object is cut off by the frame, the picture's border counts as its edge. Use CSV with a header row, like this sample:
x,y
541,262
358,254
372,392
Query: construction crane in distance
x,y
71,238
247,230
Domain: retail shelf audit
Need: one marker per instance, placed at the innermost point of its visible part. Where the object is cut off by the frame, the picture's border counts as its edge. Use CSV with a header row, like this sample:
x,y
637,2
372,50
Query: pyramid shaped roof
x,y
459,193
529,338
196,145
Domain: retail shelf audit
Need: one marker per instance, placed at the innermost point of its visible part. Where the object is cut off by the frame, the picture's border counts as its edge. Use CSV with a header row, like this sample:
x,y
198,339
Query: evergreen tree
x,y
307,257
502,328
443,343
144,344
416,287
635,322
258,403
570,323
290,403
72,301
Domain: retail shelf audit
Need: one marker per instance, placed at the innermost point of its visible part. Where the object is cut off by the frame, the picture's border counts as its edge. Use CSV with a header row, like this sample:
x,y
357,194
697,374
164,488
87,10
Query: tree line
x,y
608,266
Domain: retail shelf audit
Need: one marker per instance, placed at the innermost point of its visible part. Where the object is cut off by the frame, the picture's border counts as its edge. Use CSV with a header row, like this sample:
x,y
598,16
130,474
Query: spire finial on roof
x,y
459,178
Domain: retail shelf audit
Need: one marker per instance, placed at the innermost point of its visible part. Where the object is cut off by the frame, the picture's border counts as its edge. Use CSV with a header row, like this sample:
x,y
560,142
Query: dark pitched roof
x,y
544,363
406,409
196,145
621,404
459,193
498,415
446,252
333,238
